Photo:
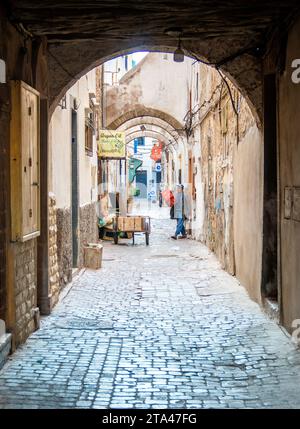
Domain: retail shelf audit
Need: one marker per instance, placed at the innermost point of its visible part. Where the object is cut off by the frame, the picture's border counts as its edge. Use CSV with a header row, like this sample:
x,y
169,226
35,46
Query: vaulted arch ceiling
x,y
152,134
156,133
81,35
150,124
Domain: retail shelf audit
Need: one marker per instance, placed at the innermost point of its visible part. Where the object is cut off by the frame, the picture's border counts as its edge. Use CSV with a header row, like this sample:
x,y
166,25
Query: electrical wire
x,y
229,91
250,49
217,65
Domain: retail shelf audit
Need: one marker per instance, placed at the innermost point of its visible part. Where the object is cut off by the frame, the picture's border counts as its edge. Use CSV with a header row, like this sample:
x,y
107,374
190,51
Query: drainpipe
x,y
102,98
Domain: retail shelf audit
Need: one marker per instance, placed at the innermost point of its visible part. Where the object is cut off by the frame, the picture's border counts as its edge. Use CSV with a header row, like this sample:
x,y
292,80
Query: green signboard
x,y
134,164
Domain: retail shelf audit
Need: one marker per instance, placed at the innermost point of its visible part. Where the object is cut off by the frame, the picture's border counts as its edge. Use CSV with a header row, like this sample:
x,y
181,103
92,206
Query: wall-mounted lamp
x,y
76,104
2,71
63,103
143,128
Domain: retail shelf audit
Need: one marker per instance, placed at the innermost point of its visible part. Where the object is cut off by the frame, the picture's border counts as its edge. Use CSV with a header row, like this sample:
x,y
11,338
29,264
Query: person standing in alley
x,y
160,199
181,212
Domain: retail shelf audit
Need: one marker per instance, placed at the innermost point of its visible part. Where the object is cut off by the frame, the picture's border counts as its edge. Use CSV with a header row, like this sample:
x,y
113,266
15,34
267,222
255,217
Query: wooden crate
x,y
121,223
139,223
131,223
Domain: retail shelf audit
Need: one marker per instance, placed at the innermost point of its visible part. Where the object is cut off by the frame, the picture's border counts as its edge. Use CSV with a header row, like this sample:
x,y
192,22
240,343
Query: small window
x,y
89,129
89,140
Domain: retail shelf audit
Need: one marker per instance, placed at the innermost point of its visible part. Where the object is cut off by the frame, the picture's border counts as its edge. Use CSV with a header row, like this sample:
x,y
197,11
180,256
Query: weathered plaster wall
x,y
232,177
147,84
289,164
248,211
88,230
218,137
64,245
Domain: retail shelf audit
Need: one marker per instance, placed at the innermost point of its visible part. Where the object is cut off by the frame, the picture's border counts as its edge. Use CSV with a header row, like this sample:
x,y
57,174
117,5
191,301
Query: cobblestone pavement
x,y
157,327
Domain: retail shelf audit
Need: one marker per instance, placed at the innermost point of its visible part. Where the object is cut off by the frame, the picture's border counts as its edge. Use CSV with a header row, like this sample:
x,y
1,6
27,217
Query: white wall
x,y
60,147
60,138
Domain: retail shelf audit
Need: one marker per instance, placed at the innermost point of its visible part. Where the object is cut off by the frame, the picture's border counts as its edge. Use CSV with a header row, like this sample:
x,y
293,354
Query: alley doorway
x,y
142,183
270,223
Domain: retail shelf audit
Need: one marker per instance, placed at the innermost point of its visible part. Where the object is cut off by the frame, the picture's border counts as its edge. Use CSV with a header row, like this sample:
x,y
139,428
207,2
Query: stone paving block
x,y
153,341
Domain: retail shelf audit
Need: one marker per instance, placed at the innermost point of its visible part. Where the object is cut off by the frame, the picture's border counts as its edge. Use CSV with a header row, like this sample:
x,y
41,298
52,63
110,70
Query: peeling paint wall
x,y
231,164
218,135
148,84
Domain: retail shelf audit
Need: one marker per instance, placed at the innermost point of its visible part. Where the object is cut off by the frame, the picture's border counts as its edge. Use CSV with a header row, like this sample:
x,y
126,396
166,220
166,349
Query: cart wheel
x,y
147,238
116,237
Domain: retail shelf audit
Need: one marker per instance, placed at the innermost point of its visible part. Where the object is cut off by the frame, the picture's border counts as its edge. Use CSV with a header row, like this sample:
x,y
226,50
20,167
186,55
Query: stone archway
x,y
151,124
142,113
244,72
82,36
77,37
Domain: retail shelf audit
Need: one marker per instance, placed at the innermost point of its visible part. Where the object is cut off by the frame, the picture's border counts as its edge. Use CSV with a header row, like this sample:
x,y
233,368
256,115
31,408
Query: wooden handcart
x,y
132,225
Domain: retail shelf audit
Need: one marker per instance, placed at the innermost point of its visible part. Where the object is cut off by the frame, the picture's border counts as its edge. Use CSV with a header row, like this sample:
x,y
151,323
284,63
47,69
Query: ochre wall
x,y
232,177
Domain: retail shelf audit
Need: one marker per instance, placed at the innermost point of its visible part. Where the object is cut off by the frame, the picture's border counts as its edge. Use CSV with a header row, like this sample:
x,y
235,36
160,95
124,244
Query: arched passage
x,y
151,123
144,112
244,72
81,37
73,38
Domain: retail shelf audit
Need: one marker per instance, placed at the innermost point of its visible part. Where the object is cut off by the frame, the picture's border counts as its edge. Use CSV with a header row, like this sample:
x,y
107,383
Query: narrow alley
x,y
149,205
159,326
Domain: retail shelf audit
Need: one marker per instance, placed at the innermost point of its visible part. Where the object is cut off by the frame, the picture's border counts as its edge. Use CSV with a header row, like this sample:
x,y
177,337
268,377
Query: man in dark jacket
x,y
181,212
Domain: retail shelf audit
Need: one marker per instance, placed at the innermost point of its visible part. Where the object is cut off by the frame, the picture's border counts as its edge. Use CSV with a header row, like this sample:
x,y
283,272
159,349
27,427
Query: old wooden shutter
x,y
25,174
